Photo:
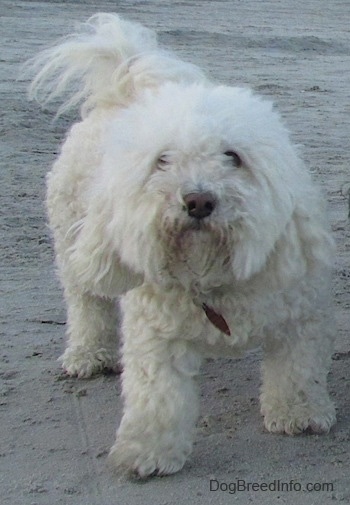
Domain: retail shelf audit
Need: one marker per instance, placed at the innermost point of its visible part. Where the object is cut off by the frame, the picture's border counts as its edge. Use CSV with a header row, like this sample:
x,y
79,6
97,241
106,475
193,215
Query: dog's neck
x,y
202,298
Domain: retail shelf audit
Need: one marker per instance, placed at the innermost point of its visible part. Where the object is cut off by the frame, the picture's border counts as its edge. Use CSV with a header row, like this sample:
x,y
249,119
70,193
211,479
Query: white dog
x,y
187,199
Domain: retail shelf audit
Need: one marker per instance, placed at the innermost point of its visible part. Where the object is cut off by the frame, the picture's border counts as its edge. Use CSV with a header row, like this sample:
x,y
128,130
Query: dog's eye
x,y
163,162
236,160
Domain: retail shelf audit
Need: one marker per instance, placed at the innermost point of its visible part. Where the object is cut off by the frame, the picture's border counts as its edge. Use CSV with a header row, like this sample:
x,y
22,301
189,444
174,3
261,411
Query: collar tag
x,y
216,319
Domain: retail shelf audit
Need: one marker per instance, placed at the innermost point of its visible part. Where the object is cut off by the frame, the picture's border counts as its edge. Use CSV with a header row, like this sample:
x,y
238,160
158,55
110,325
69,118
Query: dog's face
x,y
200,184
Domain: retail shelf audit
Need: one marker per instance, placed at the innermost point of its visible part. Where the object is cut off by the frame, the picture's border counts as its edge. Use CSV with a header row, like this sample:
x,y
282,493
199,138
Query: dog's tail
x,y
107,63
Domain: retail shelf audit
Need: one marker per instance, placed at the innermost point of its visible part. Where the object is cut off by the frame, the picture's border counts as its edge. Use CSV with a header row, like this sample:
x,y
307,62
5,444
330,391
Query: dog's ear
x,y
94,261
304,246
258,235
249,257
284,230
317,244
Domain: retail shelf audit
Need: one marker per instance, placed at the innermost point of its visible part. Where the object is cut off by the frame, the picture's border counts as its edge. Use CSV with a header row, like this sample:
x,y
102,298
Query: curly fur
x,y
154,130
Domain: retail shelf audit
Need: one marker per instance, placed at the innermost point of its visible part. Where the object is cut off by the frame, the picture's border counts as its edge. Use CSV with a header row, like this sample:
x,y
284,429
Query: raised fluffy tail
x,y
107,63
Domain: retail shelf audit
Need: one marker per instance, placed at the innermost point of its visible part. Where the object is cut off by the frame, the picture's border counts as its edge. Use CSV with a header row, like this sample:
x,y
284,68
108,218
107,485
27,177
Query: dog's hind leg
x,y
92,335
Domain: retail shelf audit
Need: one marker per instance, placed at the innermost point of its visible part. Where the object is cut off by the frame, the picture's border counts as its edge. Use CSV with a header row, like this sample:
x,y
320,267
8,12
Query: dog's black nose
x,y
199,205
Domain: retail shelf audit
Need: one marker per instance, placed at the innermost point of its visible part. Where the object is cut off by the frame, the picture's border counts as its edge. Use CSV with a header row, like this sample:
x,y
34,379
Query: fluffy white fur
x,y
154,130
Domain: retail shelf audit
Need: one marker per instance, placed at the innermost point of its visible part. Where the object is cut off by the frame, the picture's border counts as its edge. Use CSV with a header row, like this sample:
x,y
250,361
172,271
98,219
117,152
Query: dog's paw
x,y
82,362
299,420
140,460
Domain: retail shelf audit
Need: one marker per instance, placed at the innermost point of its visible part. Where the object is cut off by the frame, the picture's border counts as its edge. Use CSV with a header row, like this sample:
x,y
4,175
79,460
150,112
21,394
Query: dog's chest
x,y
235,320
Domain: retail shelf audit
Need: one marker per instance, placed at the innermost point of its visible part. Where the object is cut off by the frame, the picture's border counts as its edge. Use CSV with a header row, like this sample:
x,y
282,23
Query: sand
x,y
56,432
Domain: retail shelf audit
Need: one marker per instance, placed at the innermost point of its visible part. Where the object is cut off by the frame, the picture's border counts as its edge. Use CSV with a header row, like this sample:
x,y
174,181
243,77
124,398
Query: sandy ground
x,y
56,432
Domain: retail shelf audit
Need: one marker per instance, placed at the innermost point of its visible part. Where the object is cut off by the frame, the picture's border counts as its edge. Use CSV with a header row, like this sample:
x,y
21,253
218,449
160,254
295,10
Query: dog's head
x,y
199,185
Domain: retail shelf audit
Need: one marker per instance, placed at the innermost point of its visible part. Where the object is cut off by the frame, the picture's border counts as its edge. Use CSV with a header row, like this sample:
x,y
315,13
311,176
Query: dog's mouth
x,y
196,225
196,234
190,236
195,241
195,253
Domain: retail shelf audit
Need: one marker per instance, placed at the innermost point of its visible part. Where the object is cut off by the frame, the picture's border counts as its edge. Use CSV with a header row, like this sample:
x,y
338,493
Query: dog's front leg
x,y
294,395
155,436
